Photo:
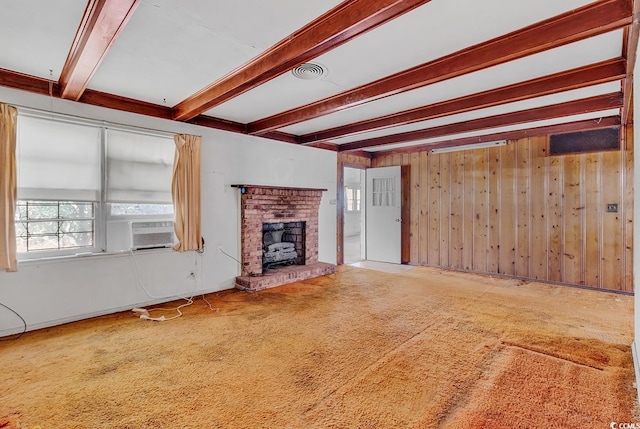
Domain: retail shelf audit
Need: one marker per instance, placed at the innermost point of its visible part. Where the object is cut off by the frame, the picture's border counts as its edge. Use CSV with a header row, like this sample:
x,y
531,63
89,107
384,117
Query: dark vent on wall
x,y
585,141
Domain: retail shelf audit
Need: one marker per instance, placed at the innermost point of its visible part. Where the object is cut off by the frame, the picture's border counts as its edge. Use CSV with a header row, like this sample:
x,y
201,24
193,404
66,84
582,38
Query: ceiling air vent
x,y
309,71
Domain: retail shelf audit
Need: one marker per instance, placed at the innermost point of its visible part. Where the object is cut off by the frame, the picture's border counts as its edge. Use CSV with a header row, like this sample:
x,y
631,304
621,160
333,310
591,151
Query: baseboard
x,y
76,318
636,367
9,331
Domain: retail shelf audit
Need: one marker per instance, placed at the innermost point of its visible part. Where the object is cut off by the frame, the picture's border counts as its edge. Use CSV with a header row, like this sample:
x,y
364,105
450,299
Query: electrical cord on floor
x,y
24,323
145,314
209,304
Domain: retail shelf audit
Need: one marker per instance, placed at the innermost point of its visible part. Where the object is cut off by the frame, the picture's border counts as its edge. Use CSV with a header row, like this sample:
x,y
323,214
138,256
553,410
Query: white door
x,y
383,200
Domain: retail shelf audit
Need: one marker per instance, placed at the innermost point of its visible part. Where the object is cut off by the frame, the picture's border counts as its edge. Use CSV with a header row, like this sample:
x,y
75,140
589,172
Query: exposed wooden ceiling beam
x,y
110,101
102,22
570,108
345,22
360,153
25,82
280,136
606,71
591,20
325,145
219,124
47,87
97,98
630,49
569,127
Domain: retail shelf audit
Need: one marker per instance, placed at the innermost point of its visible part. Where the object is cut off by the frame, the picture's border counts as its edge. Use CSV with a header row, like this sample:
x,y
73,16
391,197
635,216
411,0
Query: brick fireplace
x,y
268,205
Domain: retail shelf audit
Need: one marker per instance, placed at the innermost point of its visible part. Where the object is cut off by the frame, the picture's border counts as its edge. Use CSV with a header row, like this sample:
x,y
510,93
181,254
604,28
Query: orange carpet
x,y
358,349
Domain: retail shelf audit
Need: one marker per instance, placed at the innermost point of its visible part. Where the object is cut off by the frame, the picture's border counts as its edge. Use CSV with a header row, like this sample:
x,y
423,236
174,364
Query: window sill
x,y
89,255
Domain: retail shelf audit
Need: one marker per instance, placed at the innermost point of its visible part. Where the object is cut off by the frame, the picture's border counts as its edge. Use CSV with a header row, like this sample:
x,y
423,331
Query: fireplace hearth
x,y
279,234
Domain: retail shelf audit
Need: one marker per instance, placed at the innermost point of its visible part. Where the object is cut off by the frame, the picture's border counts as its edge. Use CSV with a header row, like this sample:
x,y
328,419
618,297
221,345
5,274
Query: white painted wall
x,y
353,220
51,292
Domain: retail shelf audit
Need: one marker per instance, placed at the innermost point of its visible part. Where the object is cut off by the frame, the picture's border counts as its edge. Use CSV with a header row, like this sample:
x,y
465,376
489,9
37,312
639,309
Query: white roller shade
x,y
139,167
58,160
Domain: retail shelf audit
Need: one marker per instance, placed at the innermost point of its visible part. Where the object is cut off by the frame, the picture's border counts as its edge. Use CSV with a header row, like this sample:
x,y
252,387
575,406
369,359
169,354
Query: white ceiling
x,y
577,54
36,35
430,32
547,100
170,50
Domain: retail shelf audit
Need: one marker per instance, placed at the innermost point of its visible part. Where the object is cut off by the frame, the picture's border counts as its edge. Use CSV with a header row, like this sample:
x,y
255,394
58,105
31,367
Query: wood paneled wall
x,y
514,210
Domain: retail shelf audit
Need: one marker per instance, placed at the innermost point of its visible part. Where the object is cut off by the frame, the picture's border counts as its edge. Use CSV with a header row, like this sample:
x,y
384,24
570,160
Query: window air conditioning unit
x,y
152,234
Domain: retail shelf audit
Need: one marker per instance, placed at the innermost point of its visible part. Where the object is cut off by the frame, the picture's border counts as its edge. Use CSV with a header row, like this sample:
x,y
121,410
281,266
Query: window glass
x,y
384,192
352,199
54,225
137,209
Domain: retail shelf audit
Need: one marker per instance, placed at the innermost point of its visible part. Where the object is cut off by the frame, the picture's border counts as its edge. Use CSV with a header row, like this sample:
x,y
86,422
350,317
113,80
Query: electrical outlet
x,y
612,208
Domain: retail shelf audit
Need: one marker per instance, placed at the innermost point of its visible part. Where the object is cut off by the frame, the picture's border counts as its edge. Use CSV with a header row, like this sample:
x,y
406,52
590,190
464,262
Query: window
x,y
384,192
352,199
81,183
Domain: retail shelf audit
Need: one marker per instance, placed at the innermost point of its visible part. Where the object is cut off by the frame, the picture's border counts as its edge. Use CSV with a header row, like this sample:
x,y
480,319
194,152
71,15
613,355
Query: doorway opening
x,y
354,215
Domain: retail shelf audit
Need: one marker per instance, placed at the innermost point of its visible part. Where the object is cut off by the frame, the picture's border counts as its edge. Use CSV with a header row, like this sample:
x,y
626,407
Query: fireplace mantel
x,y
263,204
279,187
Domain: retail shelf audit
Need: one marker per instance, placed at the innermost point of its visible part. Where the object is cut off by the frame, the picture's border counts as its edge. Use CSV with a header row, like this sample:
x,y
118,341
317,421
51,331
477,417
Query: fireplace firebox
x,y
282,244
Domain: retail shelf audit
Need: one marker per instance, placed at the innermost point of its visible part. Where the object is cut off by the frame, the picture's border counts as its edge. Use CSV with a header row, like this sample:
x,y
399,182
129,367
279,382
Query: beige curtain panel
x,y
185,191
8,187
